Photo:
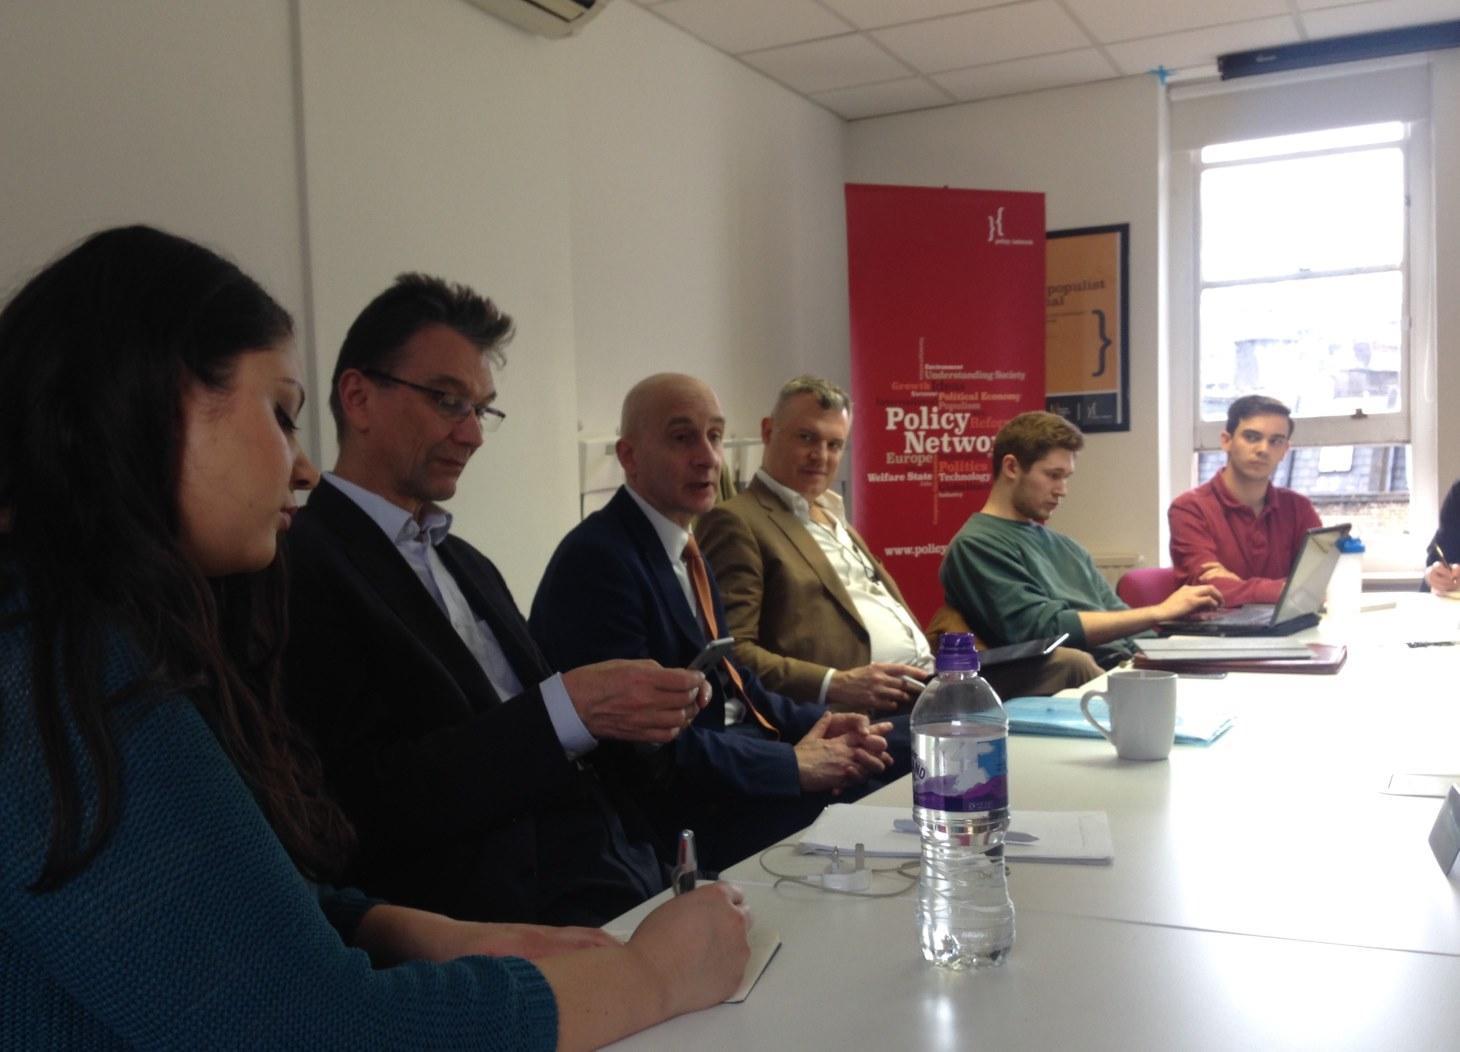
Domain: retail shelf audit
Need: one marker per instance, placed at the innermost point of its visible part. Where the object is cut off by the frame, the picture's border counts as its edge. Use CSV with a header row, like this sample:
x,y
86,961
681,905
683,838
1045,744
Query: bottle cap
x,y
1349,544
956,653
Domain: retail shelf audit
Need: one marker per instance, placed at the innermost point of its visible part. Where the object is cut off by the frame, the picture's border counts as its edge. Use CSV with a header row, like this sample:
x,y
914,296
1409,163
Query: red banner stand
x,y
947,344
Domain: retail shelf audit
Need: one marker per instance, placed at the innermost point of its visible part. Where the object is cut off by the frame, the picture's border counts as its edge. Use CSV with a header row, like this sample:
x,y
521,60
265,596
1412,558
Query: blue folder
x,y
1061,717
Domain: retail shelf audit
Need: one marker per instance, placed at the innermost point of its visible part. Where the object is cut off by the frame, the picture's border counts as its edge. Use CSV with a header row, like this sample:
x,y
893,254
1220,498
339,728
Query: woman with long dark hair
x,y
163,836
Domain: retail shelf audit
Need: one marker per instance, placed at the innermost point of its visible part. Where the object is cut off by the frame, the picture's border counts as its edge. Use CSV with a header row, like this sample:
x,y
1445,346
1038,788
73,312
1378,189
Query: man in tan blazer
x,y
813,612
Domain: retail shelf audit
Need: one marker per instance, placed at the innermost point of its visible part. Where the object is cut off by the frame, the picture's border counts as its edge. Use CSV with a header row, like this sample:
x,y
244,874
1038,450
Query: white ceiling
x,y
865,58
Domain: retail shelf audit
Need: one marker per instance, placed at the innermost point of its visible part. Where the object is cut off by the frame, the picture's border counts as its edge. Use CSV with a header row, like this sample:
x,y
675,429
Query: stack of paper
x,y
1034,836
1223,648
1238,654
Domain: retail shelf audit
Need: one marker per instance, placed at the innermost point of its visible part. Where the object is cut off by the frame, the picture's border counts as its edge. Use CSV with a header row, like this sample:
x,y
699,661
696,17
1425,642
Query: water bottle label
x,y
961,774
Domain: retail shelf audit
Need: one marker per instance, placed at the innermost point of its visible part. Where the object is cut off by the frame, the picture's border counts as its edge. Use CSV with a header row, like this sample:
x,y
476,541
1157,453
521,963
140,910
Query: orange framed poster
x,y
1087,335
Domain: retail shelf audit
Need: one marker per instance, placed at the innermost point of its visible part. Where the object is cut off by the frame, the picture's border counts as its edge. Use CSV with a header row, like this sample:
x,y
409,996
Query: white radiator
x,y
1112,565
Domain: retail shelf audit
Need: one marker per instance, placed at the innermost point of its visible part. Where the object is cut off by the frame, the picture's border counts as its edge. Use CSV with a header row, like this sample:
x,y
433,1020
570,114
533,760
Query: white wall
x,y
707,222
176,115
686,207
1445,120
436,140
1096,153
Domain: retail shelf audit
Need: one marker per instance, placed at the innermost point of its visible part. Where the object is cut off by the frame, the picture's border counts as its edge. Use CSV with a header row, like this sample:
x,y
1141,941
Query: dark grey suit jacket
x,y
465,802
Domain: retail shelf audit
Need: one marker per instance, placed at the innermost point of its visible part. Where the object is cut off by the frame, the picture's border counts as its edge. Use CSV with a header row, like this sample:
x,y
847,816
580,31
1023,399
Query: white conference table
x,y
1265,891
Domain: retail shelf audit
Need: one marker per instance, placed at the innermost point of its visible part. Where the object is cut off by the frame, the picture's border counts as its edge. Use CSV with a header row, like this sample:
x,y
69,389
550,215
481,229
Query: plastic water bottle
x,y
961,806
1346,586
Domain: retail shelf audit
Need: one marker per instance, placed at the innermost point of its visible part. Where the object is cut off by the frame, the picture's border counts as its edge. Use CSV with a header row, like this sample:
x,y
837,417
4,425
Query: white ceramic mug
x,y
1142,713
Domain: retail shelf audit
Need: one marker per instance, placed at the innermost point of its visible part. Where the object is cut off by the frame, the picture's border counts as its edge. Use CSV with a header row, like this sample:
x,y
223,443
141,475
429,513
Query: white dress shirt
x,y
416,542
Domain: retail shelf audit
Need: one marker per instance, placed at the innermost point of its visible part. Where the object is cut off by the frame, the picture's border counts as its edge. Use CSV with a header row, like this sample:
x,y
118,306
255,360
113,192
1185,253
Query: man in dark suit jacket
x,y
755,766
812,610
444,733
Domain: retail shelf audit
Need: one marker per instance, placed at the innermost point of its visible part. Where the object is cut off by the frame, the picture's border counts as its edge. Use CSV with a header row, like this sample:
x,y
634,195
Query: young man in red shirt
x,y
1239,532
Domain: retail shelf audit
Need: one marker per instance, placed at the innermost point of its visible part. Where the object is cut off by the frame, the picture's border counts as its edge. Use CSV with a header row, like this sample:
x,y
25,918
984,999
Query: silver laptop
x,y
1296,609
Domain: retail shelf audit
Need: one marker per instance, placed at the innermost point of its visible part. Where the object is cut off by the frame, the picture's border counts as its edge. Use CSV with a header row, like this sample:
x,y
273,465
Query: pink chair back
x,y
1146,585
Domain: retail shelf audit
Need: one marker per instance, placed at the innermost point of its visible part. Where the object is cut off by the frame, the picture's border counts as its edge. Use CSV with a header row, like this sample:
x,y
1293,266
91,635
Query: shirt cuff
x,y
572,735
825,686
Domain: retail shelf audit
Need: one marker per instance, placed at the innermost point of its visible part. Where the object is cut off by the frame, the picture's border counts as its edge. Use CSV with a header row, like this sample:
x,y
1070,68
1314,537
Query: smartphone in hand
x,y
715,651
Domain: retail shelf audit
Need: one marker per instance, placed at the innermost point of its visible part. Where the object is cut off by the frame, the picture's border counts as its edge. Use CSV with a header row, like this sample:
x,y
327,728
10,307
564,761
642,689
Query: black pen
x,y
687,864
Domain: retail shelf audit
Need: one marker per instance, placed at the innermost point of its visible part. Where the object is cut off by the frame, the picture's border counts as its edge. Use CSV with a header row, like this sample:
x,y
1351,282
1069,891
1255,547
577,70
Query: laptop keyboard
x,y
1251,614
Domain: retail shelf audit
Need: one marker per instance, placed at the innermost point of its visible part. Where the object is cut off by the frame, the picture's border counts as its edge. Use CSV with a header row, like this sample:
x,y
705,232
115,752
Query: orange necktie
x,y
701,581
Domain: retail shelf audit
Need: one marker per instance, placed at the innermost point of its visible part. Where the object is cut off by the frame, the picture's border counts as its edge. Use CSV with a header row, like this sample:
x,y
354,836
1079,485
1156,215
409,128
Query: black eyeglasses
x,y
451,406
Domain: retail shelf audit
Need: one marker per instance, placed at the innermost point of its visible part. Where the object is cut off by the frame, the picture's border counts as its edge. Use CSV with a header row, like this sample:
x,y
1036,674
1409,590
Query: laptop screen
x,y
1308,579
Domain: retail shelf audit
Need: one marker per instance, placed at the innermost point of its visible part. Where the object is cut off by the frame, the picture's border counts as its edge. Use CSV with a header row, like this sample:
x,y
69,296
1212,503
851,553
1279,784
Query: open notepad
x,y
887,832
764,942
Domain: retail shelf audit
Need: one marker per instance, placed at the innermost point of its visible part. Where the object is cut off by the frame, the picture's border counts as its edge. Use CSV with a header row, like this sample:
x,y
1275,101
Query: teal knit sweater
x,y
1014,581
192,928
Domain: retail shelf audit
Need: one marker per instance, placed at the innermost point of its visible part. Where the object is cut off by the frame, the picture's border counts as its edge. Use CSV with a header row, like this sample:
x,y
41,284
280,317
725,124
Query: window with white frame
x,y
1302,297
1306,201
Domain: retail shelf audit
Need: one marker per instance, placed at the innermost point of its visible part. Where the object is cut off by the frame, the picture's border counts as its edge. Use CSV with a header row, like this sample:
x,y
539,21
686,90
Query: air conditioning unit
x,y
546,18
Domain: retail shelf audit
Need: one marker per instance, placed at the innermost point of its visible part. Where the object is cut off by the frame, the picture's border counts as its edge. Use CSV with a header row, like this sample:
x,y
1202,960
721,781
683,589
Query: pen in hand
x,y
686,865
1445,559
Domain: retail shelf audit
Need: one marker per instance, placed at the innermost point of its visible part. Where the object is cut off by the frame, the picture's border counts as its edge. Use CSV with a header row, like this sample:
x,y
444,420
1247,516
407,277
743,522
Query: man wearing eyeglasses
x,y
449,741
1238,532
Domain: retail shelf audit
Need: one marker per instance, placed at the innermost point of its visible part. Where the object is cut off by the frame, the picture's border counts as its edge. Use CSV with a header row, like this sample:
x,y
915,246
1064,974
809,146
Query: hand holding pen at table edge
x,y
690,952
1443,577
719,907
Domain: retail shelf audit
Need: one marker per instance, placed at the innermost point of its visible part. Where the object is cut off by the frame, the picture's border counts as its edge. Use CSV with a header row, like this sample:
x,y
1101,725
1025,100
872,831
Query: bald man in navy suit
x,y
755,766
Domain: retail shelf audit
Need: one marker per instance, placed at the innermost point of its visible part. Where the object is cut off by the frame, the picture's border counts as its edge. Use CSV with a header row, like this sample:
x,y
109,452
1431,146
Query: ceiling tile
x,y
1016,31
735,26
1385,14
823,65
873,100
871,14
1131,19
1201,47
1027,74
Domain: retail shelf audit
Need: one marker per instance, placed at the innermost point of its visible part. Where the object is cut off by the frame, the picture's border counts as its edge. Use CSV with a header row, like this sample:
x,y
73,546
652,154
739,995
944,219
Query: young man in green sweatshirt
x,y
1012,578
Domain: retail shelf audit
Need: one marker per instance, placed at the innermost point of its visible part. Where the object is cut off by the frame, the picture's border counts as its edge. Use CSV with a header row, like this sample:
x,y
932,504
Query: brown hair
x,y
1030,436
